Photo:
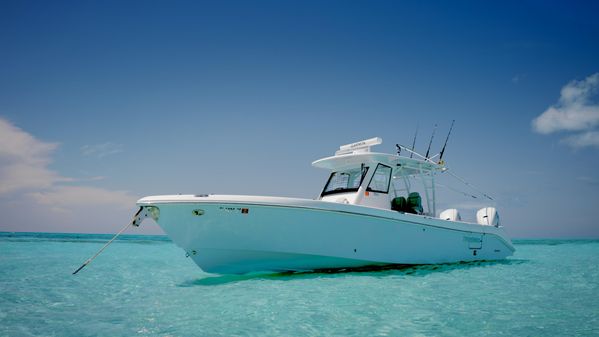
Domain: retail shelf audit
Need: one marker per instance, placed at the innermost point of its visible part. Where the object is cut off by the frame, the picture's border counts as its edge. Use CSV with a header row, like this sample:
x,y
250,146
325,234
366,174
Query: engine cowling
x,y
451,214
487,216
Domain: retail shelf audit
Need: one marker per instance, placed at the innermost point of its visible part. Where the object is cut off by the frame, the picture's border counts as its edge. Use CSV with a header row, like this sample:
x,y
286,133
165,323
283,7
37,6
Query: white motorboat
x,y
361,218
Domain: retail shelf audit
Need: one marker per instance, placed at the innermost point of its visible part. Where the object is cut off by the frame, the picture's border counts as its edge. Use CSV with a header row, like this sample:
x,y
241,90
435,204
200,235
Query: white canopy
x,y
401,165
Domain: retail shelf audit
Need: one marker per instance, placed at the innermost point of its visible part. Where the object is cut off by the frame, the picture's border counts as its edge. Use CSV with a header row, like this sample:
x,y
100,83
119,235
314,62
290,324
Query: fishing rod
x,y
418,154
414,141
446,139
431,141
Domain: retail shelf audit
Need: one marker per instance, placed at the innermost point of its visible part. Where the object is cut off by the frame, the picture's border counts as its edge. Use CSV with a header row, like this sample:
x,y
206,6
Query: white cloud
x,y
37,198
588,180
518,78
24,160
589,138
67,196
102,150
575,111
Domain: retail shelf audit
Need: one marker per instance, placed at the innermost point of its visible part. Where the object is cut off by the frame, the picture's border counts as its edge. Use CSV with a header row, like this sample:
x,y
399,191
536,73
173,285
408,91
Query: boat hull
x,y
238,234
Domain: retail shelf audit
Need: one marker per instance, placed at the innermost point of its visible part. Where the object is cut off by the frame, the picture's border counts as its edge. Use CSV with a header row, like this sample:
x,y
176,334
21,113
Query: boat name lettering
x,y
235,209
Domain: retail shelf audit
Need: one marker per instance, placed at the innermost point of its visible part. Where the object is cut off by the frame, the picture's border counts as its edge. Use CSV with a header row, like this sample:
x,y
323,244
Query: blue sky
x,y
104,102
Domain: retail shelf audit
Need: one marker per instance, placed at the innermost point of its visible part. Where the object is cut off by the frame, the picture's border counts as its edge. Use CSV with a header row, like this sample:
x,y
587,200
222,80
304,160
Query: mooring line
x,y
109,242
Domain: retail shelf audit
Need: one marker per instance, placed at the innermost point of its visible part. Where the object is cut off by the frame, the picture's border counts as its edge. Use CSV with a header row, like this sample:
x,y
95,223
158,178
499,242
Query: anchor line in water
x,y
109,242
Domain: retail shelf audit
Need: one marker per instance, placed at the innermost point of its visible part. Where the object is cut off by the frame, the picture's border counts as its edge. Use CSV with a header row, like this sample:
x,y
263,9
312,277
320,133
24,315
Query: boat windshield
x,y
345,181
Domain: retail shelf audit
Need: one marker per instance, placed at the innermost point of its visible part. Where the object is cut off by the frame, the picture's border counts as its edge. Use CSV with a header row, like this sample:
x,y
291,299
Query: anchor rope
x,y
109,242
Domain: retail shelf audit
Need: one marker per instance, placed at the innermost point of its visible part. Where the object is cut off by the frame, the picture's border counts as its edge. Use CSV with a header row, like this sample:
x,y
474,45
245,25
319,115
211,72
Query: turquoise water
x,y
144,286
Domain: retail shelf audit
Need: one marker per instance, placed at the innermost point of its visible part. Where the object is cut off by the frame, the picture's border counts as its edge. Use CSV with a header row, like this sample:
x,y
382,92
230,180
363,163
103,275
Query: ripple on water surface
x,y
145,286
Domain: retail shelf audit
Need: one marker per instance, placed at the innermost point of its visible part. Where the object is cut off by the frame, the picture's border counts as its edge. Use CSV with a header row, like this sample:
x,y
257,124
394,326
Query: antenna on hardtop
x,y
414,141
431,142
446,139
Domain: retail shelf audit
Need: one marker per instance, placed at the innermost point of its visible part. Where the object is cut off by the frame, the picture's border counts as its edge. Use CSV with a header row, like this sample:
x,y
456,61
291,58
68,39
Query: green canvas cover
x,y
414,203
399,204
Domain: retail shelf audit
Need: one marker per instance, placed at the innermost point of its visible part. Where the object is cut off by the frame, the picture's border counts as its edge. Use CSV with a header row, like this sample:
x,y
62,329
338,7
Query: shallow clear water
x,y
144,286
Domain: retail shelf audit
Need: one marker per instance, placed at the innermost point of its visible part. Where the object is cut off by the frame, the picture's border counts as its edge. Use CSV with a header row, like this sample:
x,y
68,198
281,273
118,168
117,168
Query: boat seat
x,y
414,203
399,204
